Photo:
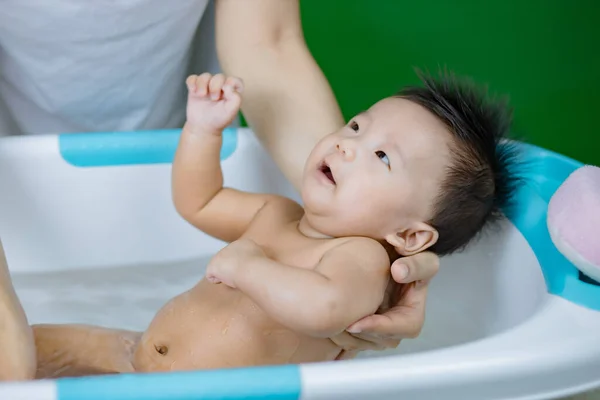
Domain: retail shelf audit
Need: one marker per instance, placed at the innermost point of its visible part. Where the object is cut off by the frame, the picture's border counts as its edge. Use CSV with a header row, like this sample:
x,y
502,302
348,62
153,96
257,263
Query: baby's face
x,y
379,173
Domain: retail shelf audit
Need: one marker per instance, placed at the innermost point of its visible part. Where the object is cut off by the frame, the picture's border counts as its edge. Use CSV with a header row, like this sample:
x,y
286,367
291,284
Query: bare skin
x,y
293,277
268,52
273,60
304,273
289,296
217,326
18,362
82,350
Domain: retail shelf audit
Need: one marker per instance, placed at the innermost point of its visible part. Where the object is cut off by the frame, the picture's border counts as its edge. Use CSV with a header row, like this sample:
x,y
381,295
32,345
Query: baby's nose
x,y
347,150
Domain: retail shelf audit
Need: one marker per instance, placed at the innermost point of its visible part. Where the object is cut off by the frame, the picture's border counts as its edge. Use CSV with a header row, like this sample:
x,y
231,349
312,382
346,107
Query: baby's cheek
x,y
360,202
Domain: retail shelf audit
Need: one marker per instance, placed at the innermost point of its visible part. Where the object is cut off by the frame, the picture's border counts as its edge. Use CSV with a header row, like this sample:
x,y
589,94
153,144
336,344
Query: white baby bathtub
x,y
507,319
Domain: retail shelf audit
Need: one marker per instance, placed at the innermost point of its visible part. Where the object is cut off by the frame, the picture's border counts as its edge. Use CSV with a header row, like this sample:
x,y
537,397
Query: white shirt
x,y
101,65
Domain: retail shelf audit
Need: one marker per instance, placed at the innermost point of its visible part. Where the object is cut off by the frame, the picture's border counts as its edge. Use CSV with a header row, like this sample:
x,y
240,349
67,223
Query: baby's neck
x,y
309,231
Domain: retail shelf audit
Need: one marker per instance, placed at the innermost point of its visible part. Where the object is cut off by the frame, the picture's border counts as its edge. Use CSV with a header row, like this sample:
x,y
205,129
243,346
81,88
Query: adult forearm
x,y
288,101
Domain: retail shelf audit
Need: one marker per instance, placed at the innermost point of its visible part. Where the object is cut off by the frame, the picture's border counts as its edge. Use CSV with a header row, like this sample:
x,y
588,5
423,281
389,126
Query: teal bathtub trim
x,y
544,172
265,383
106,149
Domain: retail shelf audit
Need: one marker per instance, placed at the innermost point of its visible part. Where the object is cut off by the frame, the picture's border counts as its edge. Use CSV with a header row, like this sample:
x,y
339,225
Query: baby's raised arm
x,y
197,178
348,284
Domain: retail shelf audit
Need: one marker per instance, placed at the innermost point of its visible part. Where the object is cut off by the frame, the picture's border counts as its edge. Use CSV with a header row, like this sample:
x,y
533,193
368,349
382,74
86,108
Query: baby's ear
x,y
419,237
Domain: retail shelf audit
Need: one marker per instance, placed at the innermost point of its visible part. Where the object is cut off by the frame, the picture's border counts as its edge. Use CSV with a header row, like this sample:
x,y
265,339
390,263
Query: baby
x,y
420,170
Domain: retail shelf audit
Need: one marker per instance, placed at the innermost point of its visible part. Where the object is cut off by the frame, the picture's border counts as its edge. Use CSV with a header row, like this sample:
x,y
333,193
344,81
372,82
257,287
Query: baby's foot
x,y
213,101
16,337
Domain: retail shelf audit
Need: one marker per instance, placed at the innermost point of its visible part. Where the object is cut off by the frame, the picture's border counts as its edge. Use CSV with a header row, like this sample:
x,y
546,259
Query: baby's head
x,y
421,170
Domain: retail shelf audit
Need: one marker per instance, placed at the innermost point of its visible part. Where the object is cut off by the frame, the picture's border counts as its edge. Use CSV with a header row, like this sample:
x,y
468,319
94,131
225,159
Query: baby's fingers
x,y
235,84
196,84
231,91
215,85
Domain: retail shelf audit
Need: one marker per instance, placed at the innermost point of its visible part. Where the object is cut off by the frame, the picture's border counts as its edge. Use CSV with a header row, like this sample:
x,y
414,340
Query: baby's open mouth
x,y
327,172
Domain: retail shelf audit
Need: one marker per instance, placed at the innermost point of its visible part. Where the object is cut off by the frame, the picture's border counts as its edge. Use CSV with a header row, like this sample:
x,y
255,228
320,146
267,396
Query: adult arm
x,y
287,100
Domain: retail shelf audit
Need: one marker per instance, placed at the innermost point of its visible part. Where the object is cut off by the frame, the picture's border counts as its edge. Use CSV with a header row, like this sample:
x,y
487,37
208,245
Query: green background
x,y
543,54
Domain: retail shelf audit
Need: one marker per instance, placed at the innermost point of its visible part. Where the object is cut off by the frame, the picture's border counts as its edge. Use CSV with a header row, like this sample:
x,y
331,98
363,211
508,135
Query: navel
x,y
162,350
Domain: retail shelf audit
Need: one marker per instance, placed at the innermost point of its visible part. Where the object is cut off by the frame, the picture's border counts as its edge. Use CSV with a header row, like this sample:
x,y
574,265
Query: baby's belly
x,y
213,326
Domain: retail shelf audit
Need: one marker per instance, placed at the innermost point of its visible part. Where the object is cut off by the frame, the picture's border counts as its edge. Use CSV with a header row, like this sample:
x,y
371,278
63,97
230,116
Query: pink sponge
x,y
574,220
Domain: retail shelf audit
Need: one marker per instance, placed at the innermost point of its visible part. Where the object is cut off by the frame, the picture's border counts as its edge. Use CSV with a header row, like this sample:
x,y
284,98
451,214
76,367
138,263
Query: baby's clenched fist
x,y
213,101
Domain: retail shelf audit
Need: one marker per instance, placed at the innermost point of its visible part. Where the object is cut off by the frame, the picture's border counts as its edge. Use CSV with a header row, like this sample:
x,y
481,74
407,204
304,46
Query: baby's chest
x,y
292,254
290,248
275,230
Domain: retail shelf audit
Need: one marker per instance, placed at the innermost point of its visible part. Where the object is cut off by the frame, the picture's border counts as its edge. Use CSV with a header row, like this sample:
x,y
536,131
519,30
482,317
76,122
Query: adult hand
x,y
405,314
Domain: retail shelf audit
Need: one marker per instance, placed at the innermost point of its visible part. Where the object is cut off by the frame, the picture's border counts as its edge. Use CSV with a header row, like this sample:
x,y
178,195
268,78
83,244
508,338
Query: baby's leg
x,y
78,350
18,360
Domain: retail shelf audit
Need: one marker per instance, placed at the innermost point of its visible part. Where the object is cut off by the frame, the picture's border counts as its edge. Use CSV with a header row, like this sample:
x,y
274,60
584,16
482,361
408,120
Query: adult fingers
x,y
346,355
403,320
349,342
420,267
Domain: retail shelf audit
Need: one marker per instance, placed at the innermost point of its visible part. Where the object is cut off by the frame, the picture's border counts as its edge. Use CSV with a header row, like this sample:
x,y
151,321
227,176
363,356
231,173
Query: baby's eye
x,y
383,157
354,126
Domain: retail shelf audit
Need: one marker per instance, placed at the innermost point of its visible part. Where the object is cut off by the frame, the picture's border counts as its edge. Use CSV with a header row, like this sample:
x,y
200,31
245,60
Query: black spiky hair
x,y
480,181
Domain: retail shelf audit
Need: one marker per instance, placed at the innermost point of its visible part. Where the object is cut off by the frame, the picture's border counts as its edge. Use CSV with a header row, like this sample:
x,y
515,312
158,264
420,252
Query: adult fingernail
x,y
402,271
353,329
